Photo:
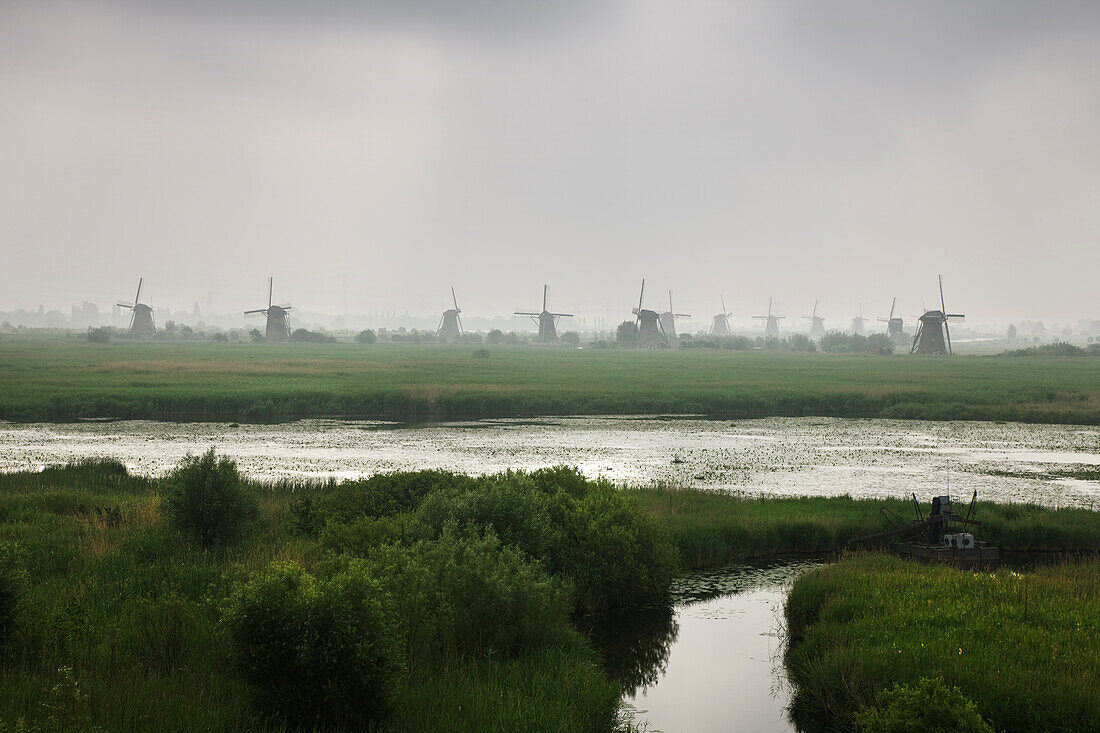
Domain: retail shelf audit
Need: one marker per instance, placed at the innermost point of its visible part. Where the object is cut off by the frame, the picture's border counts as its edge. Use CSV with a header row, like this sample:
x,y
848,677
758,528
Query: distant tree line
x,y
1060,348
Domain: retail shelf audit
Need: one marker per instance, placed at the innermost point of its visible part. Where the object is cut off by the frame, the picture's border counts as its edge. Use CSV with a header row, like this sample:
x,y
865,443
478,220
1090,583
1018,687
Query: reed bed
x,y
711,528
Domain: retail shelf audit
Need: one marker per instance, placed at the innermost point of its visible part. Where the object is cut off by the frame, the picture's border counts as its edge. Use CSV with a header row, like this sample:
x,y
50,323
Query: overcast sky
x,y
369,155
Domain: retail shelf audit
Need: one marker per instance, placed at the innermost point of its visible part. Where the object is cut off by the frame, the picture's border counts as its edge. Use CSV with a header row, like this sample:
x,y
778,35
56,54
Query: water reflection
x,y
711,658
778,456
635,644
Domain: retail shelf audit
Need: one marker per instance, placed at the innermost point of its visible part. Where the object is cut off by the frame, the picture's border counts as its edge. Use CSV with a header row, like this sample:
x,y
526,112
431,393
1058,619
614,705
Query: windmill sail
x,y
277,328
933,335
545,319
649,329
450,323
141,315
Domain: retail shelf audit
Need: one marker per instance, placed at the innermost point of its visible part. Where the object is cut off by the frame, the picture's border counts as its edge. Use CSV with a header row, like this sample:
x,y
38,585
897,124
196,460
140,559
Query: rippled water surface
x,y
781,456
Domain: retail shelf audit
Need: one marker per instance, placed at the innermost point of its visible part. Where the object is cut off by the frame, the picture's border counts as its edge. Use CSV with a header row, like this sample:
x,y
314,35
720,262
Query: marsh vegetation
x,y
406,601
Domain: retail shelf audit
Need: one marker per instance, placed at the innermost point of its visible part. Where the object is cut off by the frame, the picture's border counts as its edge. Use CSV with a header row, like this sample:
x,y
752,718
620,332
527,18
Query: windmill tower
x,y
817,324
668,319
277,328
651,333
720,326
894,326
771,325
857,328
548,332
933,335
450,325
141,315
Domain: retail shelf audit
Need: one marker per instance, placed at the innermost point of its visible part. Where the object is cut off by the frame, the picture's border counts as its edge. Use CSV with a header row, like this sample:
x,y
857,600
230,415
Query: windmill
x,y
650,331
771,325
450,325
720,326
933,335
857,323
141,315
668,319
894,326
277,328
817,324
548,333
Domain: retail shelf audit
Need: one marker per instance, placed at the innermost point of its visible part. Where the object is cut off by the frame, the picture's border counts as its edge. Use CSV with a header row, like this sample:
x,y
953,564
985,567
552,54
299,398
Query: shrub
x,y
385,494
471,596
13,586
615,554
929,705
205,499
366,337
316,652
99,335
315,337
507,504
481,353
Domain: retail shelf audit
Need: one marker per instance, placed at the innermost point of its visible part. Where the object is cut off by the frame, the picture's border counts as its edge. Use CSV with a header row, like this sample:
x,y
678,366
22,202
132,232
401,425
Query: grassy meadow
x,y
1024,646
61,380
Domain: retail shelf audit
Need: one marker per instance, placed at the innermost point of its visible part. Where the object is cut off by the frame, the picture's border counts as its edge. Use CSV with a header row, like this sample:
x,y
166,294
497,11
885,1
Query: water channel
x,y
711,660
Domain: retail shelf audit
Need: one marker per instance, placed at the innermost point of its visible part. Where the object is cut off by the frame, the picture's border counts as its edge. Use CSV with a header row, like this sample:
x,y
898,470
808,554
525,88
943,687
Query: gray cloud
x,y
369,154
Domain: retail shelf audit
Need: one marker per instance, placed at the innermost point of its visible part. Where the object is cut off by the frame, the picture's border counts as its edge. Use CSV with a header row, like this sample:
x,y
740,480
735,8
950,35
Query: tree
x,y
626,333
366,337
256,336
495,337
571,338
206,499
99,335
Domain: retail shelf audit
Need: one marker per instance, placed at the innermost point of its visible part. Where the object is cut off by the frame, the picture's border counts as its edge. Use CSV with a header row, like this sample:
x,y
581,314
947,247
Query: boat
x,y
941,538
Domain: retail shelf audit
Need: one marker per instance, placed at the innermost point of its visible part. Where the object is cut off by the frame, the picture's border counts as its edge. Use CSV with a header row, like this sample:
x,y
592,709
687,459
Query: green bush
x,y
206,499
929,705
471,596
508,504
615,554
316,652
13,586
384,495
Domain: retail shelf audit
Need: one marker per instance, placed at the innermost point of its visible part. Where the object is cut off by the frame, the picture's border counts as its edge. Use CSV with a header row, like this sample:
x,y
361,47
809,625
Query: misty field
x,y
45,380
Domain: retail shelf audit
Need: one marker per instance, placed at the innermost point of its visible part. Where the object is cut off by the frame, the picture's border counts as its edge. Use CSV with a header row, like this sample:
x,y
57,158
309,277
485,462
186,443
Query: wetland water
x,y
1007,462
712,659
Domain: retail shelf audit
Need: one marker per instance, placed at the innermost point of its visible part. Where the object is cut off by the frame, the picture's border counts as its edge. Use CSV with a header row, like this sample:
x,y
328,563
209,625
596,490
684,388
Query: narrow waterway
x,y
710,660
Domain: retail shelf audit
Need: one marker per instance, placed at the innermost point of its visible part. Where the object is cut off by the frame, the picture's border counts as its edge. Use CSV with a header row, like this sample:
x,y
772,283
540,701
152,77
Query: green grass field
x,y
1024,646
46,380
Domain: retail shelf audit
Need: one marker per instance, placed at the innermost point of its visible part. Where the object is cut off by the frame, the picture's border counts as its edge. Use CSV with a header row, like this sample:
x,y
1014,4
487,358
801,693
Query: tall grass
x,y
60,380
1024,646
711,528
